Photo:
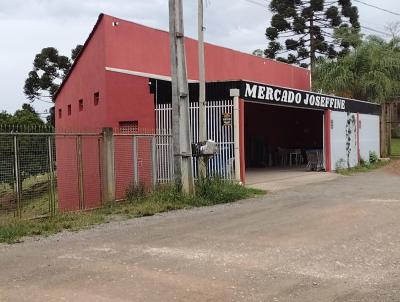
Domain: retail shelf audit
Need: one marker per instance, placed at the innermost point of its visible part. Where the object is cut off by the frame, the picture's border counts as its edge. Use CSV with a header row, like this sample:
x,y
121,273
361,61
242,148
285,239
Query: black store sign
x,y
303,99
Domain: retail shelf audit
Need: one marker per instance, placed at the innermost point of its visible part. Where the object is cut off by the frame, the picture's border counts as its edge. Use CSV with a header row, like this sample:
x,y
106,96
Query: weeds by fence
x,y
165,197
43,173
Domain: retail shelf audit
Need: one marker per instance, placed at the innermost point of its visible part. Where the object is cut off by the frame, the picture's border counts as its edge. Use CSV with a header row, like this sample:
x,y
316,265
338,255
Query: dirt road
x,y
332,241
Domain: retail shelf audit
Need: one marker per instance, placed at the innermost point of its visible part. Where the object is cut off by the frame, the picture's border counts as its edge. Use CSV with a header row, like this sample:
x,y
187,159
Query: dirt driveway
x,y
332,241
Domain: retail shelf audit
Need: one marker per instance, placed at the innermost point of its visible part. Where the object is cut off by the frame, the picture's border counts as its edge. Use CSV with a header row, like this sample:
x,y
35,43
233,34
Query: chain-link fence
x,y
27,175
42,173
141,160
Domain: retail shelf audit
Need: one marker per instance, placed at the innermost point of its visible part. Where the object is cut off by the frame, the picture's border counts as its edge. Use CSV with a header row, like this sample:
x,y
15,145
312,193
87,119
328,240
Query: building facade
x,y
122,76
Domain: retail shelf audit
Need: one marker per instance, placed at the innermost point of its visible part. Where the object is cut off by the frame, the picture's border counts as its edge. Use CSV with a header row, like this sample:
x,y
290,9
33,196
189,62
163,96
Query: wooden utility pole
x,y
202,88
180,100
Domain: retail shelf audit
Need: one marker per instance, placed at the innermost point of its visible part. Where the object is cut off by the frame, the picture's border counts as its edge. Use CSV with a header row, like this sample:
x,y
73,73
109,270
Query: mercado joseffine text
x,y
300,98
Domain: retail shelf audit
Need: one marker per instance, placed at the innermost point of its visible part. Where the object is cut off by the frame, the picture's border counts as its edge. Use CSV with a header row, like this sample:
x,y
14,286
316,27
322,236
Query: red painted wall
x,y
129,99
87,78
136,47
327,142
125,98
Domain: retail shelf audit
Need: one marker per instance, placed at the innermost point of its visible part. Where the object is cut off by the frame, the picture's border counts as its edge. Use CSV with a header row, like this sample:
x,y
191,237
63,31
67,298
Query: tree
x,y
311,29
369,72
32,149
26,117
76,51
49,70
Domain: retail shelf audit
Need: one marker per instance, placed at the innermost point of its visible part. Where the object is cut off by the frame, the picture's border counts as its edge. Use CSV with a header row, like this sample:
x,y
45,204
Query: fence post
x,y
135,161
80,172
154,163
17,178
235,93
108,166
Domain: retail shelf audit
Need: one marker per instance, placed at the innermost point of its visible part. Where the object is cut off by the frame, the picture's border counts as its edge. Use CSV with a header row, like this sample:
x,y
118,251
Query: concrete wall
x,y
369,135
343,130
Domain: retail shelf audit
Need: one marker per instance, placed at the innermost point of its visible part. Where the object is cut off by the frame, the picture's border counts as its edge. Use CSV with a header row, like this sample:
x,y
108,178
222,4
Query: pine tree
x,y
49,70
311,29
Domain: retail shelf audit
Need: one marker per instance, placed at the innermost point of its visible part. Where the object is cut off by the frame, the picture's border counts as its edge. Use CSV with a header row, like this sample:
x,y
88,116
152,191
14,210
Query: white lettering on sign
x,y
251,91
262,92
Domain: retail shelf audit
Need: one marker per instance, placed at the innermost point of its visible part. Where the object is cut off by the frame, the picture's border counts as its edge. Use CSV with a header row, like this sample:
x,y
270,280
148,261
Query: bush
x,y
373,157
11,232
217,190
363,162
340,165
135,191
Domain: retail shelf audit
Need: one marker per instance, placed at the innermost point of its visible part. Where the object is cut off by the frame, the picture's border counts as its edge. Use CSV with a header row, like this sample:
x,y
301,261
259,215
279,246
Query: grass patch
x,y
140,203
395,147
13,230
362,168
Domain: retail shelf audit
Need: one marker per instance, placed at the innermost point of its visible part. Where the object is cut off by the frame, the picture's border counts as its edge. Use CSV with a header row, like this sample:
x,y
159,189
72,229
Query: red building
x,y
110,85
108,97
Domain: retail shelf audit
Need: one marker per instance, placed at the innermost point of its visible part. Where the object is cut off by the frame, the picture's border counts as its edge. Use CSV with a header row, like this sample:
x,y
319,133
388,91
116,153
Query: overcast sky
x,y
27,26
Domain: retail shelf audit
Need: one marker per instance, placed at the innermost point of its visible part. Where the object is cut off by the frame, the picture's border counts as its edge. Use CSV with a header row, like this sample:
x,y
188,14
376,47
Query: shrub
x,y
135,191
217,190
373,157
13,231
340,164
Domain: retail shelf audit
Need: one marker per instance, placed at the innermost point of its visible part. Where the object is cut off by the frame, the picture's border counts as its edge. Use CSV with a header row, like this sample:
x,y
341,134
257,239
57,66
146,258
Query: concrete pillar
x,y
235,93
107,163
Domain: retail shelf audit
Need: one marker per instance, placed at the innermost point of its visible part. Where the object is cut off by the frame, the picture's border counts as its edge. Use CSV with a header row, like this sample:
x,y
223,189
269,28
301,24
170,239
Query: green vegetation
x,y
310,30
395,147
12,230
365,166
35,199
370,72
49,70
140,203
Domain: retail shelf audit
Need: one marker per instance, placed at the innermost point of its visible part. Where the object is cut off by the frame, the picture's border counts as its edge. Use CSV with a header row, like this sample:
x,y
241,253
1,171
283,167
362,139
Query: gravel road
x,y
332,241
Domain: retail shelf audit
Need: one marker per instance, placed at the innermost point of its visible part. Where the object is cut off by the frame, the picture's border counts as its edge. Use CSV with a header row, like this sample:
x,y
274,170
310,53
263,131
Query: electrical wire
x,y
375,30
364,27
377,7
257,3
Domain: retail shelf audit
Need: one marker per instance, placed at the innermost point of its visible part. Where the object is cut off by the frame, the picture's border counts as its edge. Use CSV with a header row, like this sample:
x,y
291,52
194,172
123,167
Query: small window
x,y
59,113
69,109
81,105
96,98
128,126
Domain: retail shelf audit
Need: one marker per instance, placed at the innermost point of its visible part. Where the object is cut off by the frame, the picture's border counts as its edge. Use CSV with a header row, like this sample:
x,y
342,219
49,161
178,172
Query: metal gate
x,y
219,130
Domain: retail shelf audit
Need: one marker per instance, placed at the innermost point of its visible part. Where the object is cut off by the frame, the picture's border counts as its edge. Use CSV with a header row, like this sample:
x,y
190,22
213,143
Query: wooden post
x,y
108,166
385,129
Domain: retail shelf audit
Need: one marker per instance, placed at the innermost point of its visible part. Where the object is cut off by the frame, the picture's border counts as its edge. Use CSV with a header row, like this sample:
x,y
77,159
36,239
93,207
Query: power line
x,y
257,3
377,7
364,27
375,30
